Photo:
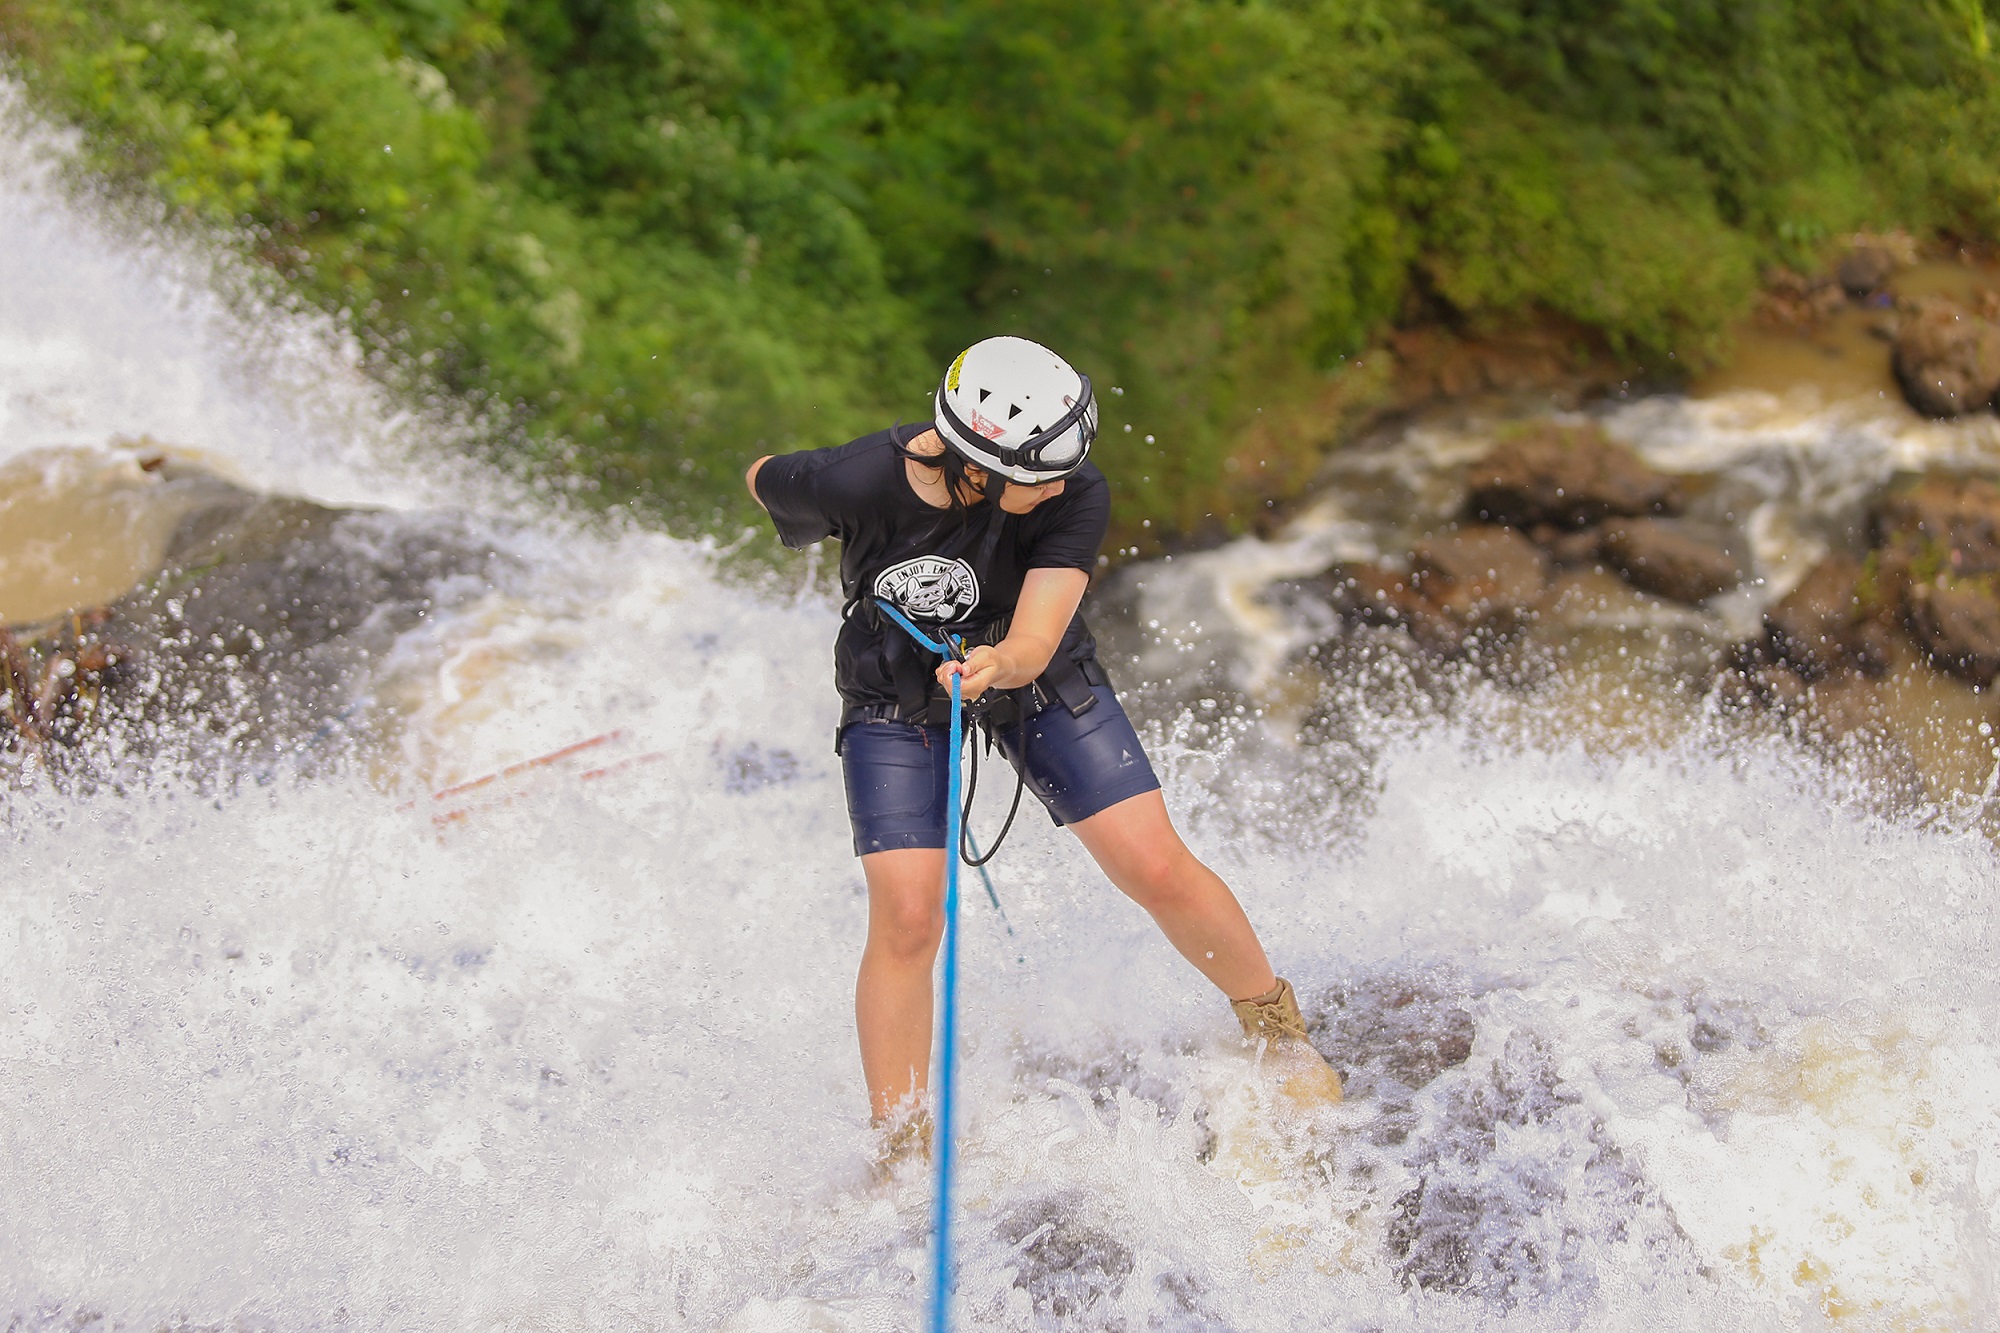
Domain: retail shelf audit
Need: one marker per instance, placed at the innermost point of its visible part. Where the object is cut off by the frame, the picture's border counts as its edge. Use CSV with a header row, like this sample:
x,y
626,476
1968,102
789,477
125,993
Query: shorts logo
x,y
930,587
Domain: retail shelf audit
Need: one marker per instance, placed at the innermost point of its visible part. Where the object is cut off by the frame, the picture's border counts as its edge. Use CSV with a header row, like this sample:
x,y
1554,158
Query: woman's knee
x,y
906,908
907,925
1158,877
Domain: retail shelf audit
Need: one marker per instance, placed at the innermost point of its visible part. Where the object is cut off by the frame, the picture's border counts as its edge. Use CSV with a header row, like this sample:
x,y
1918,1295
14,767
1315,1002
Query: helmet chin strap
x,y
996,521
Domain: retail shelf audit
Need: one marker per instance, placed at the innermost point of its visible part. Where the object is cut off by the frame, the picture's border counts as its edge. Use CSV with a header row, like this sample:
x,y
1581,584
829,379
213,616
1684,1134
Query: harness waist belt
x,y
1068,682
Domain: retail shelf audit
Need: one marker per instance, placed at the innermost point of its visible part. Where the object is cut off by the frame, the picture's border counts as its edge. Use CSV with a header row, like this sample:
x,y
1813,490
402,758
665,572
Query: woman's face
x,y
1018,498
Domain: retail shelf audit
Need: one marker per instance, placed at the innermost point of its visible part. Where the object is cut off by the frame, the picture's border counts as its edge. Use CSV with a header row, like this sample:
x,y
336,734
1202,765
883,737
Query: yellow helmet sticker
x,y
951,376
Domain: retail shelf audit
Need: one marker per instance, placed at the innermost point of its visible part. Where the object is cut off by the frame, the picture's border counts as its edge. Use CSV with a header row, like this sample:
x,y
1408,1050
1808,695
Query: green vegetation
x,y
674,236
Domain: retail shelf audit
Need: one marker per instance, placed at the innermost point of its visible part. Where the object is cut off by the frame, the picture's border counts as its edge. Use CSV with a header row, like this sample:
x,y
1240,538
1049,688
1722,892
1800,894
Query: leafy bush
x,y
669,237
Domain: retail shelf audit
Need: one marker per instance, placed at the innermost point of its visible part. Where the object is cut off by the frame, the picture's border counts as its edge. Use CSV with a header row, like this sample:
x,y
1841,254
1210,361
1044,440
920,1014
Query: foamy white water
x,y
1685,1037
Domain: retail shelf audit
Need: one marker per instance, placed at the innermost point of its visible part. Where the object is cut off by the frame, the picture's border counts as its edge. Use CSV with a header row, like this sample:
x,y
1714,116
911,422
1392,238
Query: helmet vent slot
x,y
984,394
1014,410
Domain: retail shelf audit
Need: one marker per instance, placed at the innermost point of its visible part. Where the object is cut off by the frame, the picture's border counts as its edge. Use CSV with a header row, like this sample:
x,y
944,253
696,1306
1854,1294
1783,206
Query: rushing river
x,y
1668,1025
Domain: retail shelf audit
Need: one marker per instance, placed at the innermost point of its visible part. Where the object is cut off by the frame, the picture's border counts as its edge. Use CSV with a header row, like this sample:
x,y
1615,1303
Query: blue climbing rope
x,y
947,1101
940,1321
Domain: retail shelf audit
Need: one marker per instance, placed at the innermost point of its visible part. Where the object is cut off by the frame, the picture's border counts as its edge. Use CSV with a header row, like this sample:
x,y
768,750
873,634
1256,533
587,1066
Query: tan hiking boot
x,y
1301,1073
904,1138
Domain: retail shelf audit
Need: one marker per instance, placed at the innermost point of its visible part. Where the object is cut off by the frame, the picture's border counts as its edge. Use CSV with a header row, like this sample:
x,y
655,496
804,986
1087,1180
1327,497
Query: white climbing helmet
x,y
1016,408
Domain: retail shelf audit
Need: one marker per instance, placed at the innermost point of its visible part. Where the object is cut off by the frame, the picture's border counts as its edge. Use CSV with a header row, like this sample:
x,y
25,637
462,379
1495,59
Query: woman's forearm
x,y
1024,657
1048,601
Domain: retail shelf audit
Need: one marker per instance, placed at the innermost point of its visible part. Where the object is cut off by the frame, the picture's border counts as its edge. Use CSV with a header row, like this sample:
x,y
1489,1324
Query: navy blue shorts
x,y
897,771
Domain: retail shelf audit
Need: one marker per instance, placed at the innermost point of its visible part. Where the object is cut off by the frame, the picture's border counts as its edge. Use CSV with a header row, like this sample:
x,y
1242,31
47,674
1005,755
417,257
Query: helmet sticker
x,y
951,376
930,587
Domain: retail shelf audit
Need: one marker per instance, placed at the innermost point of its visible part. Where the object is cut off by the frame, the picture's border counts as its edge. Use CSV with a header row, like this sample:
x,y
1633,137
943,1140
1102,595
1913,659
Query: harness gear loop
x,y
966,851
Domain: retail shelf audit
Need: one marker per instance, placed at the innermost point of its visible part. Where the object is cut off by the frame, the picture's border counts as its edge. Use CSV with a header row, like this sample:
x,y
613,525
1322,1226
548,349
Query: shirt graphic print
x,y
930,587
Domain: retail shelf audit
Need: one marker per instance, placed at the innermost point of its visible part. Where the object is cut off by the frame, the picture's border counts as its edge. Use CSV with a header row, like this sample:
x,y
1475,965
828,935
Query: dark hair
x,y
957,483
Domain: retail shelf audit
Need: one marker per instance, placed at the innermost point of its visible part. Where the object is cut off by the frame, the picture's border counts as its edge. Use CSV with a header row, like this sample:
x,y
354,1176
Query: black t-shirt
x,y
924,560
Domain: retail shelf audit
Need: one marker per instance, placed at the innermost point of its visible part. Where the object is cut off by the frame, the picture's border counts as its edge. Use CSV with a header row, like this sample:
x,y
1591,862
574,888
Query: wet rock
x,y
1065,1264
1938,557
1867,268
1797,300
1947,358
1834,620
1768,685
1845,711
1370,594
1480,574
248,643
1566,548
1567,477
1391,1034
1941,523
1477,579
1669,559
1957,624
1494,1217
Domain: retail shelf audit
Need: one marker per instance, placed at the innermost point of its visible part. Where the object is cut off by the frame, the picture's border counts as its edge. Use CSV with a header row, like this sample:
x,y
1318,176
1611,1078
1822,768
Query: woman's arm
x,y
750,480
1049,598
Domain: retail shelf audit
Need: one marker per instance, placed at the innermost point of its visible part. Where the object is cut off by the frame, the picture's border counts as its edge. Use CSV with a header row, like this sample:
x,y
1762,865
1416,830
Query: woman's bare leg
x,y
892,995
1135,844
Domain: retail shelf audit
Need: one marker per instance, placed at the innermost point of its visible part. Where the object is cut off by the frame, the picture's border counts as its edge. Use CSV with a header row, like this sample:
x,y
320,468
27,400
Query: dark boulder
x,y
1472,581
1567,548
1866,269
1567,477
1941,523
1480,574
1370,594
1797,300
1957,622
1836,619
249,644
1669,559
1763,685
1938,558
1947,358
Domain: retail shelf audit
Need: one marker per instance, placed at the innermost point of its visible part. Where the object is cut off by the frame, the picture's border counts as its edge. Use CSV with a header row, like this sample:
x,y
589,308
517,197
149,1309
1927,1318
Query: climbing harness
x,y
953,646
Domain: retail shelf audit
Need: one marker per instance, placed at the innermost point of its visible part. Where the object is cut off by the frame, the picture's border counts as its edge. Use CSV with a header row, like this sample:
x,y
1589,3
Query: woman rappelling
x,y
985,525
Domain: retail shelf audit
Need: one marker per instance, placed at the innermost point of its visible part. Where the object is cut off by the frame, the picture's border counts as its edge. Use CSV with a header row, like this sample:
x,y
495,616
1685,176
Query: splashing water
x,y
1662,1037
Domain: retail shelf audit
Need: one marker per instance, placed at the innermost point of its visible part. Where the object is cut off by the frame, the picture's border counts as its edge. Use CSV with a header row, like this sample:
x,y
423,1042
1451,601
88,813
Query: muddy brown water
x,y
1786,446
81,528
1943,725
1847,356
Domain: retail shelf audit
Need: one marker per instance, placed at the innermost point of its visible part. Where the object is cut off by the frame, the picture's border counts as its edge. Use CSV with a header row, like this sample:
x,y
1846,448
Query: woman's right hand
x,y
977,673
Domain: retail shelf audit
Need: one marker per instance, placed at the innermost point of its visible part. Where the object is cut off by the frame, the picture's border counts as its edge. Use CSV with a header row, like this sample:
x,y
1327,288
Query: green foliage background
x,y
674,236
